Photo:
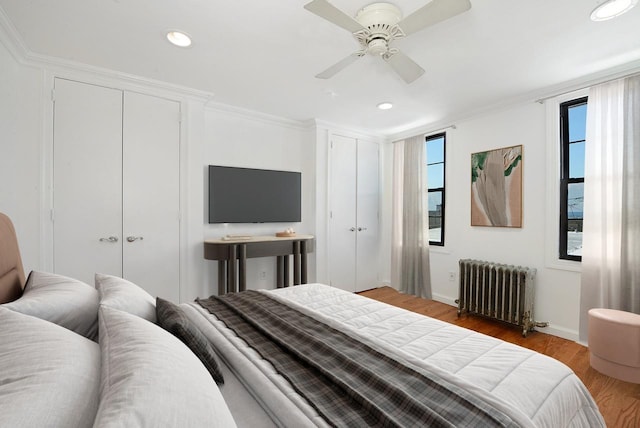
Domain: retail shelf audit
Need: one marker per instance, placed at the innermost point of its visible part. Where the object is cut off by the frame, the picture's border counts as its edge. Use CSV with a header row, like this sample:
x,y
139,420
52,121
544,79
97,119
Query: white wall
x,y
210,135
557,291
20,152
227,136
244,139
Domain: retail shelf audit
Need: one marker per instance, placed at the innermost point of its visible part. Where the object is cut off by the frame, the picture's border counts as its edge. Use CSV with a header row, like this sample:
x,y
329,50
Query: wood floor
x,y
619,402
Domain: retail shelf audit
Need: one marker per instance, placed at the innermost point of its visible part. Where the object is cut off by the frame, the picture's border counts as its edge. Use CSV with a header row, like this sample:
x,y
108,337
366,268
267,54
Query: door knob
x,y
360,229
134,238
353,229
109,239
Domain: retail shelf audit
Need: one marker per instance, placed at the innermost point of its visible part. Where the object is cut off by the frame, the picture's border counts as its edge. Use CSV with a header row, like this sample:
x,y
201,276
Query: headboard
x,y
12,277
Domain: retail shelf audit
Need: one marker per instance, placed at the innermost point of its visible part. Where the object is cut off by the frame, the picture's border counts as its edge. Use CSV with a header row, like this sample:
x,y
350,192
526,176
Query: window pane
x,y
575,200
576,160
577,122
435,150
575,205
435,175
435,216
573,123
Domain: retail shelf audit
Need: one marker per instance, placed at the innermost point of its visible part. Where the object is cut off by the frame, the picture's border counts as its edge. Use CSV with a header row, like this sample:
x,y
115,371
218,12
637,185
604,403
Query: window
x,y
573,120
435,149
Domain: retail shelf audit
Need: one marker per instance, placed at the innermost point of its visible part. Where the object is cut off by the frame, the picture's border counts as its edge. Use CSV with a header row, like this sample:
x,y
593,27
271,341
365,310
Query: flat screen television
x,y
246,195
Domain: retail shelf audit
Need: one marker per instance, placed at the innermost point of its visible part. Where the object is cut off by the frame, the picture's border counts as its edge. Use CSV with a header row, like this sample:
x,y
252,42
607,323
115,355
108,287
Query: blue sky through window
x,y
577,135
435,162
577,131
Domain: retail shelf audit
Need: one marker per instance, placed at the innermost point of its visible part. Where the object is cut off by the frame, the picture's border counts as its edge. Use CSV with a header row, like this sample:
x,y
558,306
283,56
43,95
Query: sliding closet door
x,y
151,198
87,180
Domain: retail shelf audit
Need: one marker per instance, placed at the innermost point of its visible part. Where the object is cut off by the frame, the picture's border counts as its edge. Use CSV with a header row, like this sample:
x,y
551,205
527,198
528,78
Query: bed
x,y
72,354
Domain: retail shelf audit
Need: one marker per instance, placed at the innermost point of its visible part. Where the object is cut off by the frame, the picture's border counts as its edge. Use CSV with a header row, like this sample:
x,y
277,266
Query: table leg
x,y
303,262
222,277
279,272
232,271
286,270
242,268
296,262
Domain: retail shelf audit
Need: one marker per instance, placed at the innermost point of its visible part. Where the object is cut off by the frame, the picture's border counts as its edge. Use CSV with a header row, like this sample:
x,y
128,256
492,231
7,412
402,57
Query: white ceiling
x,y
263,55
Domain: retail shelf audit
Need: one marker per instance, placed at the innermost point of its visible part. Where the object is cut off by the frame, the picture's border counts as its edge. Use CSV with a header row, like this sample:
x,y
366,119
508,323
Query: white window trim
x,y
552,256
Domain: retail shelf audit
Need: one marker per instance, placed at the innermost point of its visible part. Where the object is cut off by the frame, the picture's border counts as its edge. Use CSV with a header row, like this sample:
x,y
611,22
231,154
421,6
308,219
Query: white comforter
x,y
533,389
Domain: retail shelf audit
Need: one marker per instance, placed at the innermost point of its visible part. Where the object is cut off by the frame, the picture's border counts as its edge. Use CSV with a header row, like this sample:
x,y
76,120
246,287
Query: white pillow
x,y
49,376
124,295
151,379
64,301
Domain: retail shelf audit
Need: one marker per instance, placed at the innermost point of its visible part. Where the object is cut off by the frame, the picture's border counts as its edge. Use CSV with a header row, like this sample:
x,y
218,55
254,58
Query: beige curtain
x,y
611,240
410,270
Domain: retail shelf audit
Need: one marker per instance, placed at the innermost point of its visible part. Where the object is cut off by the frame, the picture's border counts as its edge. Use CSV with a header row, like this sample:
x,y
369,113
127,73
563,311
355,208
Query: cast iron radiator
x,y
498,291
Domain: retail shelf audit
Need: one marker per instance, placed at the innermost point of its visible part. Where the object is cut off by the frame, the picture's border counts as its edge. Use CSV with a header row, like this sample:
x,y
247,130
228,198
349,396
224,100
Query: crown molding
x,y
266,118
346,131
12,40
539,96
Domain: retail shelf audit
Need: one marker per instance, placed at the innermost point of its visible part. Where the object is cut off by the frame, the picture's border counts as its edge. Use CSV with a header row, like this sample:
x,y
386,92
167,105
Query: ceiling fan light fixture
x,y
179,38
611,9
378,25
385,105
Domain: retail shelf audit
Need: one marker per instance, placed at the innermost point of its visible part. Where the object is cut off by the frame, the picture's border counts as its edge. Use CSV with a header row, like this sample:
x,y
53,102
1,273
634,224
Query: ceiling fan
x,y
377,25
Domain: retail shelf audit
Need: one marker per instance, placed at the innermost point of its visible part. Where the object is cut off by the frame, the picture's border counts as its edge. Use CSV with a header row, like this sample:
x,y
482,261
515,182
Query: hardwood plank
x,y
619,401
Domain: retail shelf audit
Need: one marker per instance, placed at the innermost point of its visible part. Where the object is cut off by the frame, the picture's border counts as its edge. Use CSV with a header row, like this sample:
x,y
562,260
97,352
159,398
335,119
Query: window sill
x,y
567,265
437,249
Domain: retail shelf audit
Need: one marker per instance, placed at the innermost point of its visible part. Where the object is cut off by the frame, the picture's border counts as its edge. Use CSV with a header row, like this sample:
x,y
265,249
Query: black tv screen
x,y
246,195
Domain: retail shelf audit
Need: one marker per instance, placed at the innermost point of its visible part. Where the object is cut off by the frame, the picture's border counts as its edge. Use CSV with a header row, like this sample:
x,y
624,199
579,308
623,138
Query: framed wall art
x,y
496,187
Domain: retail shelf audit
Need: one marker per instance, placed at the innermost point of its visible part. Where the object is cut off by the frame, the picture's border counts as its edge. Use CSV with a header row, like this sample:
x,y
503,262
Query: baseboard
x,y
564,333
445,299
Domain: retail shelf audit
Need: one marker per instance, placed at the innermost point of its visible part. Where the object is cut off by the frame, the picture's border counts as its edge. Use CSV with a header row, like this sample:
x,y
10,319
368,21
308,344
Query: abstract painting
x,y
496,187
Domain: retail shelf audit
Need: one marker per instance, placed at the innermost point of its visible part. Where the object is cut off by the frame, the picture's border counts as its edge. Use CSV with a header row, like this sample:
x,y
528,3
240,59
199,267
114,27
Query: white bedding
x,y
534,389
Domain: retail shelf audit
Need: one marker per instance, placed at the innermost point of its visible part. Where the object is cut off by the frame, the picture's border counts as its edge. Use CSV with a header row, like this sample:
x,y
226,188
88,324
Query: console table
x,y
232,256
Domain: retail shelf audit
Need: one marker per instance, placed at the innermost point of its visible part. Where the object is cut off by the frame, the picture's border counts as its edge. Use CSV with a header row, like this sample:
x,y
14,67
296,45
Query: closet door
x,y
367,207
342,217
353,228
151,194
87,180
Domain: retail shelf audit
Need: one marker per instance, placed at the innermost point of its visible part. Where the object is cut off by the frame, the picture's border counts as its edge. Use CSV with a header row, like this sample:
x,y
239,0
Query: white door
x,y
342,216
116,186
354,230
367,206
87,180
151,194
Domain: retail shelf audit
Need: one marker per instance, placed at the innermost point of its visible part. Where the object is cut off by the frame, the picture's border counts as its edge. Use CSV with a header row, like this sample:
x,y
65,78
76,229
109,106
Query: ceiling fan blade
x,y
404,66
331,71
326,10
432,13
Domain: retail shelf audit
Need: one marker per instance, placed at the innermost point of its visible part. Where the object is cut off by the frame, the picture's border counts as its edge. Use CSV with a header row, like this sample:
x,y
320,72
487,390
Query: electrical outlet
x,y
452,276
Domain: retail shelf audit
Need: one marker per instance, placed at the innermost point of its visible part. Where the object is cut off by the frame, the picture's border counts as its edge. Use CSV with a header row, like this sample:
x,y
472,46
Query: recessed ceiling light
x,y
385,105
179,38
612,8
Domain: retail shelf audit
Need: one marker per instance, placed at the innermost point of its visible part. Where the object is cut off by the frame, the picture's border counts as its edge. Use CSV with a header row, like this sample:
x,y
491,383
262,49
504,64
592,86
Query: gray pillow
x,y
49,376
151,379
124,295
64,301
175,321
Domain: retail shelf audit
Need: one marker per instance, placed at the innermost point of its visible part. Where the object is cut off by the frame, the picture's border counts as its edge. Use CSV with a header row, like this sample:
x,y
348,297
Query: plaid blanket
x,y
347,382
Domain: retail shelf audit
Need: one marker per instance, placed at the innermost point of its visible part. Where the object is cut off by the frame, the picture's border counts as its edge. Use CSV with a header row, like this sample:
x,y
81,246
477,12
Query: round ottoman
x,y
614,343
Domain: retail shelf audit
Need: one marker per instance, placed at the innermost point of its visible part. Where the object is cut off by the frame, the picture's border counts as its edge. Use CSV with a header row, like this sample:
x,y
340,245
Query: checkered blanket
x,y
347,382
